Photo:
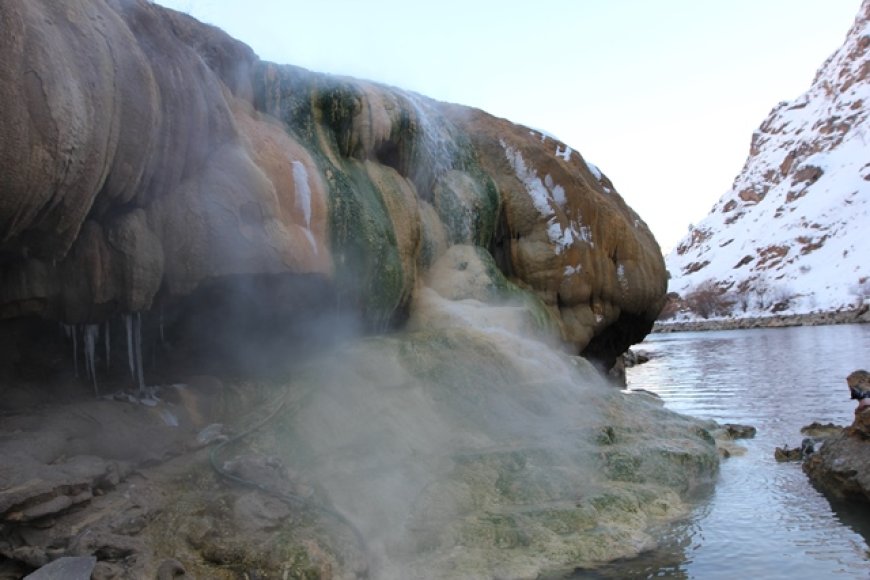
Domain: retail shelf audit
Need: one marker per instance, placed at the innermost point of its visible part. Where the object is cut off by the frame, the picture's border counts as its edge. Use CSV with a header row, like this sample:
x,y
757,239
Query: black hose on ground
x,y
288,498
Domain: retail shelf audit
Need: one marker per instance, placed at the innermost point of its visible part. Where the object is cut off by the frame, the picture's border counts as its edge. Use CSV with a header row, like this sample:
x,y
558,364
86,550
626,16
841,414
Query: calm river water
x,y
763,520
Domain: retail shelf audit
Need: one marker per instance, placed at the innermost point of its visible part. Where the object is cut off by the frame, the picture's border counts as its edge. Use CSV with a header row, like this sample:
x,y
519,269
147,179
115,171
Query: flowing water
x,y
764,519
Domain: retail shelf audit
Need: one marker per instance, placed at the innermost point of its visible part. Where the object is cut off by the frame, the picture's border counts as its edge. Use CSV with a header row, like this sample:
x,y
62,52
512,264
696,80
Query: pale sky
x,y
662,95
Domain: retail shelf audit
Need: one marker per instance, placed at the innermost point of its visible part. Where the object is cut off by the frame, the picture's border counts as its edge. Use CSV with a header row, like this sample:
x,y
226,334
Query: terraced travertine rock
x,y
153,165
146,154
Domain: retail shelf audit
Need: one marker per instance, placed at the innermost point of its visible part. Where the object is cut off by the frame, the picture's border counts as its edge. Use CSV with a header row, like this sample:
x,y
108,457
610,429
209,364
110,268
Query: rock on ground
x,y
842,467
66,568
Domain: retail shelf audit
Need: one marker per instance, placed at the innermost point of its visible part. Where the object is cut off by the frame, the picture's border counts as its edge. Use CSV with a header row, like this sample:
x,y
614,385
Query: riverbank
x,y
856,316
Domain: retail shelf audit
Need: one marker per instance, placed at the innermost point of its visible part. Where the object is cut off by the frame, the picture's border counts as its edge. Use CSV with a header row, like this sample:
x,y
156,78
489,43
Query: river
x,y
763,519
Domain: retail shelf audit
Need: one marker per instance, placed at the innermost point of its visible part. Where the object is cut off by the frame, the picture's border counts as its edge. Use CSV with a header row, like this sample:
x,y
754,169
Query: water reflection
x,y
764,519
855,516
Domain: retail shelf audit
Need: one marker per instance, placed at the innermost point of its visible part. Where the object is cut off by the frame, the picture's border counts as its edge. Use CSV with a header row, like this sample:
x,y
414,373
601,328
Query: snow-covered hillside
x,y
793,233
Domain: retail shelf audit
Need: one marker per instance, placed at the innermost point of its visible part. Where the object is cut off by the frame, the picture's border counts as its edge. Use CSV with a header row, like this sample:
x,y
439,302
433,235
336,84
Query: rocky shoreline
x,y
836,458
857,316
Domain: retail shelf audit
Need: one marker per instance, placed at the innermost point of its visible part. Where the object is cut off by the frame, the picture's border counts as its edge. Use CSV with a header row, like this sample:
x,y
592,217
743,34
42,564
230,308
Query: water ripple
x,y
764,519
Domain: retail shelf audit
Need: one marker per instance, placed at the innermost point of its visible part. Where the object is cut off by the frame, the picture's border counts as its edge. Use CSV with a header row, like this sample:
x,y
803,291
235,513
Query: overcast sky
x,y
662,95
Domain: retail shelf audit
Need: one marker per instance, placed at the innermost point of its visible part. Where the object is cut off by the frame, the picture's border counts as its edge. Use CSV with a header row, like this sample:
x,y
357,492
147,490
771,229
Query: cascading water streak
x,y
303,199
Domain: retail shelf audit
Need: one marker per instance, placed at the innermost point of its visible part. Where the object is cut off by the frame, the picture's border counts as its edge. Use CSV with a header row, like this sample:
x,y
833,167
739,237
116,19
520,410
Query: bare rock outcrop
x,y
842,467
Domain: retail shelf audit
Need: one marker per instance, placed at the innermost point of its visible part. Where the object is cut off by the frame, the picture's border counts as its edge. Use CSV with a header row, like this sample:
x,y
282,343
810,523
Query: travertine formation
x,y
164,190
146,154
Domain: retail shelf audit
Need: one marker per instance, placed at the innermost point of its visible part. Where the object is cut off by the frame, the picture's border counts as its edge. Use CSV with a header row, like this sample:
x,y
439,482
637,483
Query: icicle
x,y
108,347
134,348
91,334
162,336
128,319
86,344
70,331
140,376
75,349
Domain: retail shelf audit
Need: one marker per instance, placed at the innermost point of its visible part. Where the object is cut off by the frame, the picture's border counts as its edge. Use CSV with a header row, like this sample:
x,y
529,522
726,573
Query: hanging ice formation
x,y
162,337
70,331
108,353
134,348
128,321
91,332
90,337
140,375
75,350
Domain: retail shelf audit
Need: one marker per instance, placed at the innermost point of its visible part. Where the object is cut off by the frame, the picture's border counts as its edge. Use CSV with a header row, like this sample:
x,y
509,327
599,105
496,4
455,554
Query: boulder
x,y
66,568
805,450
737,431
725,435
635,357
821,431
842,467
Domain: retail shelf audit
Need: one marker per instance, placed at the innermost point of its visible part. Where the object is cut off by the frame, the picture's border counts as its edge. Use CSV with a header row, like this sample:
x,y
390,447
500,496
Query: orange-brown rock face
x,y
132,168
146,154
569,236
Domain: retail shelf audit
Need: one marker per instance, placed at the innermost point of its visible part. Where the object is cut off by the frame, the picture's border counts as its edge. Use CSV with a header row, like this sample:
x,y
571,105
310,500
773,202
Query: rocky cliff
x,y
788,236
149,158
